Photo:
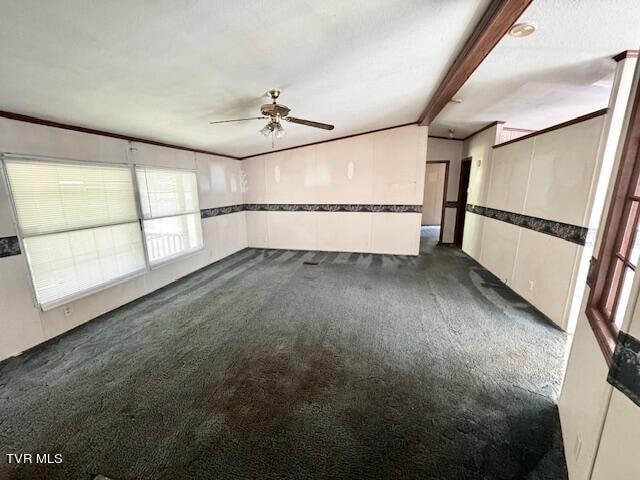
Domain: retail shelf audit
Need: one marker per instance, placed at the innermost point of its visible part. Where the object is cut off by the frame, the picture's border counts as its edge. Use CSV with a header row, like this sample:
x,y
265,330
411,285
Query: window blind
x,y
171,212
79,225
52,197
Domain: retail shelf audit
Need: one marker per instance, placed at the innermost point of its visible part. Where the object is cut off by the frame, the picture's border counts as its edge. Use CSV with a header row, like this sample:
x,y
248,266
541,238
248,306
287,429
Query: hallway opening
x,y
435,195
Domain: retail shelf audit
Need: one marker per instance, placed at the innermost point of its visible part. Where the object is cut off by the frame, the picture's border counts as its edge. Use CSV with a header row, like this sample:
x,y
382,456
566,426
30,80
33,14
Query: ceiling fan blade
x,y
309,123
237,120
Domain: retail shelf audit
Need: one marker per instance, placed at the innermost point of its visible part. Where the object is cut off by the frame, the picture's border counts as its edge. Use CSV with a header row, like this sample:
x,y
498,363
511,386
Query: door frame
x,y
444,193
462,204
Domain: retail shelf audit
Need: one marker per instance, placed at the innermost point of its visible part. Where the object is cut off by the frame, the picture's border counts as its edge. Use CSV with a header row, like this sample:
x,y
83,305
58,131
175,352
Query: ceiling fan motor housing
x,y
274,109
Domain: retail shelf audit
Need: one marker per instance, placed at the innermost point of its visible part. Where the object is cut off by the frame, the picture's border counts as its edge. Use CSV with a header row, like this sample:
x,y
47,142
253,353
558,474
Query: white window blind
x,y
171,212
79,226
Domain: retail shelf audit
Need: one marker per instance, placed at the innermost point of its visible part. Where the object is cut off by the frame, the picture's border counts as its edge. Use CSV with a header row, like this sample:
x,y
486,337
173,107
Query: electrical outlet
x,y
67,310
532,285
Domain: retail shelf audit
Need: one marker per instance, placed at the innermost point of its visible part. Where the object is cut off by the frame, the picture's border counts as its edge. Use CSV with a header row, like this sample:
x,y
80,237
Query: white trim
x,y
177,256
160,167
137,166
14,214
132,167
4,157
136,193
88,227
23,157
191,212
47,306
86,292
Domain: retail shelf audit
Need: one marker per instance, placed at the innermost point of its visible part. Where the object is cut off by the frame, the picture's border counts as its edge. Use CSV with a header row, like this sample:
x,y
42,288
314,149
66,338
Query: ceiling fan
x,y
275,113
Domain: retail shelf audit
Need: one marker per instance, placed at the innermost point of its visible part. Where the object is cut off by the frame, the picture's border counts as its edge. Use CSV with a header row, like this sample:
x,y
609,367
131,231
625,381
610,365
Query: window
x,y
80,226
620,249
625,261
78,223
170,212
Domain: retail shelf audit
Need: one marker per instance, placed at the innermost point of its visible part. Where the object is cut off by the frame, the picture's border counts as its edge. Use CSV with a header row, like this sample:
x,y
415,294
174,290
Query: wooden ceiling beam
x,y
494,24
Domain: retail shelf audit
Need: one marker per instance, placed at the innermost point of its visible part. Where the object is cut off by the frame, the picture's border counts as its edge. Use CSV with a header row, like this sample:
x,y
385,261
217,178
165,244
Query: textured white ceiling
x,y
562,71
163,69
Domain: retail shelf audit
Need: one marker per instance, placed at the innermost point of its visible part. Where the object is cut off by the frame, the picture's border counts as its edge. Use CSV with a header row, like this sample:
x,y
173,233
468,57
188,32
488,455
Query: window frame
x,y
4,156
605,280
172,258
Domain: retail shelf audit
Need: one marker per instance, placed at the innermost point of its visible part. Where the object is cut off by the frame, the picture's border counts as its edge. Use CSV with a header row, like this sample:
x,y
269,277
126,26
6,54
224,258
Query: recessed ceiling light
x,y
523,29
456,100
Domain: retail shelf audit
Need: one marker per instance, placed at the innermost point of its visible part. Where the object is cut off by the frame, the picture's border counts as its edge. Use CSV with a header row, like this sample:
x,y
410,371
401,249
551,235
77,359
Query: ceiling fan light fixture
x,y
275,113
266,130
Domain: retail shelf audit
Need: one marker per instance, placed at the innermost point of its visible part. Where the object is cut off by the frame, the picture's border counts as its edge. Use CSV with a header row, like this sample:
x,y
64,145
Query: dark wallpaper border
x,y
9,246
624,373
570,233
310,207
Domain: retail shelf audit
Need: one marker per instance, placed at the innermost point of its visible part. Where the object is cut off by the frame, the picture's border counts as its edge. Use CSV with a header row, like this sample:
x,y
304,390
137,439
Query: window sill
x,y
604,333
175,258
46,307
52,305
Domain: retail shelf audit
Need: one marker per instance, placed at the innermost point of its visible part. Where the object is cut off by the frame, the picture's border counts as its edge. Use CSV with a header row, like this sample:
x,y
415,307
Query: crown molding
x,y
65,126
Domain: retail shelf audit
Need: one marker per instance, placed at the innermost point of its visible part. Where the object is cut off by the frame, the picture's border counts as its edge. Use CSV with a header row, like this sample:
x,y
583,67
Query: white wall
x,y
22,323
619,446
567,172
584,400
479,148
385,167
549,176
510,133
451,150
599,424
618,451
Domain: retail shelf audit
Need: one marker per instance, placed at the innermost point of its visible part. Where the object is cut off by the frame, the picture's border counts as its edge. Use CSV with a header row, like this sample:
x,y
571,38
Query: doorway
x,y
433,204
463,189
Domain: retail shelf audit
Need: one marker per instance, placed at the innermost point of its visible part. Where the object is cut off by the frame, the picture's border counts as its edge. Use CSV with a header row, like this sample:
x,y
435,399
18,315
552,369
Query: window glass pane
x,y
636,189
625,292
52,196
634,255
172,236
624,245
167,192
65,264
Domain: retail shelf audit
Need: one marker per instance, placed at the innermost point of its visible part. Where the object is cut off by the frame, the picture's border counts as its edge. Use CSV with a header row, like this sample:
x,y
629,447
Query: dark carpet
x,y
259,366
